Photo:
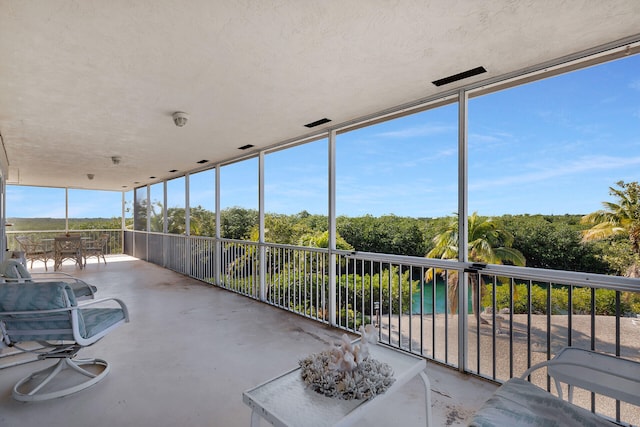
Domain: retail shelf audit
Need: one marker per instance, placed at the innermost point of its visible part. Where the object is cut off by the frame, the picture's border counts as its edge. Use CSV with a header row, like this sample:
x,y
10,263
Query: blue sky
x,y
552,147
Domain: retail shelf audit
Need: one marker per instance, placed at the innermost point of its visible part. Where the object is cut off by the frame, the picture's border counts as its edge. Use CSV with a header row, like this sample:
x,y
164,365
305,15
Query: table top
x,y
286,401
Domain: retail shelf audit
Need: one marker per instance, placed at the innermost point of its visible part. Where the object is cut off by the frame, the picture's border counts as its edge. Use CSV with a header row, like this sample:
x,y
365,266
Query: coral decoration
x,y
346,370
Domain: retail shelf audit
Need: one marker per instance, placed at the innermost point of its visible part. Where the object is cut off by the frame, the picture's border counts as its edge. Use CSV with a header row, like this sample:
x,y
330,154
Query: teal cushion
x,y
13,269
520,403
96,320
37,296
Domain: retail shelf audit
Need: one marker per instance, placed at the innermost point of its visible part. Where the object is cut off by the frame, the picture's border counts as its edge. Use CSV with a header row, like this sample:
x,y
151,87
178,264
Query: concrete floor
x,y
190,351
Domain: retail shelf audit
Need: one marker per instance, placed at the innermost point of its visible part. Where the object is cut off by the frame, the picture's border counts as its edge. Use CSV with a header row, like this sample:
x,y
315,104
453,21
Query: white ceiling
x,y
82,81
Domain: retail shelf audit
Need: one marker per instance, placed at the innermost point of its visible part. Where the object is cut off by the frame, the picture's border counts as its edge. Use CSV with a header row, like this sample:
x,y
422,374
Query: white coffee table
x,y
285,401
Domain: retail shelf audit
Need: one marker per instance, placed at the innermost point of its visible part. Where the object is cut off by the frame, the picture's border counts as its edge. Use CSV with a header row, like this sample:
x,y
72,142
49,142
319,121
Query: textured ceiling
x,y
82,81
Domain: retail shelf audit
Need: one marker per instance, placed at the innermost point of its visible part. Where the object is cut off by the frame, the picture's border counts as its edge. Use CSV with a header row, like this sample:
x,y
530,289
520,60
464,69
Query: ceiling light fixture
x,y
116,160
180,118
90,176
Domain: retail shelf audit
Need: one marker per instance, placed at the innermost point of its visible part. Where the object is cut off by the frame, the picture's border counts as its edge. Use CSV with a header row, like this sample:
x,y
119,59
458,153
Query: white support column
x,y
165,226
123,209
187,226
148,208
123,222
165,221
463,230
263,258
187,206
332,229
3,213
66,210
146,236
217,253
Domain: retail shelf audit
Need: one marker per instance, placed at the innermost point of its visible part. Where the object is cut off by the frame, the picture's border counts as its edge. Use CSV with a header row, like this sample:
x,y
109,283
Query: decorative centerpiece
x,y
346,370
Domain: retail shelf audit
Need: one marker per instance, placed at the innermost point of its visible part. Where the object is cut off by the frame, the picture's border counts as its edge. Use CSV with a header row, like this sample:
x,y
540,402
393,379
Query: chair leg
x,y
28,388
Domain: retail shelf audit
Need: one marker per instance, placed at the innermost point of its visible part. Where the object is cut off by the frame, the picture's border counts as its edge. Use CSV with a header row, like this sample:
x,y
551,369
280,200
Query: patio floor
x,y
190,351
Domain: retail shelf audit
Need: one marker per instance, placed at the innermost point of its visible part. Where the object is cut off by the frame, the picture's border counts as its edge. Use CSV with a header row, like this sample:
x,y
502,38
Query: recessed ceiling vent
x,y
245,147
460,76
317,123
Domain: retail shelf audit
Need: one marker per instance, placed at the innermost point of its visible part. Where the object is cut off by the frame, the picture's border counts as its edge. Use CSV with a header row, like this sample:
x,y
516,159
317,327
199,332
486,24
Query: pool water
x,y
427,300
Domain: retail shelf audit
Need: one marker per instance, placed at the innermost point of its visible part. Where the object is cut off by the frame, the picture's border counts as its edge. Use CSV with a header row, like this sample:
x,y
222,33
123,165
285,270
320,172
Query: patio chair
x,y
48,312
67,247
519,402
12,270
96,248
34,251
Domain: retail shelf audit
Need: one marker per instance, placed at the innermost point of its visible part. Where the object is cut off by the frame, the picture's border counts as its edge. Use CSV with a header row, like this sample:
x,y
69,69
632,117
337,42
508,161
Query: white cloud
x,y
547,172
416,131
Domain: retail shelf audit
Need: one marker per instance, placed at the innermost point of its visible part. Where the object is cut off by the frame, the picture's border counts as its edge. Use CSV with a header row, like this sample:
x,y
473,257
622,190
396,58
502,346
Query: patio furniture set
x,y
65,247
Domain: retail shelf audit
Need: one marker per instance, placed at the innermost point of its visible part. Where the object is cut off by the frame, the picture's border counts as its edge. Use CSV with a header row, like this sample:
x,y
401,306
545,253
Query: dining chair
x,y
96,248
67,247
34,251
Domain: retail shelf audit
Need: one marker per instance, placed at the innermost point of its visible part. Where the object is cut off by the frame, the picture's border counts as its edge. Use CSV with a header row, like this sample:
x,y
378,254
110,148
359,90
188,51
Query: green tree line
x,y
545,241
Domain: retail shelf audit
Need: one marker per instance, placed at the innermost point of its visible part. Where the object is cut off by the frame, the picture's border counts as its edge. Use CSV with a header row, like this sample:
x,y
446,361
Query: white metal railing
x,y
511,317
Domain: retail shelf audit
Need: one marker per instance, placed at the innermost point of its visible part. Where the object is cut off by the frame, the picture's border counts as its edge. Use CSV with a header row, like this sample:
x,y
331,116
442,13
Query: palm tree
x,y
618,219
489,243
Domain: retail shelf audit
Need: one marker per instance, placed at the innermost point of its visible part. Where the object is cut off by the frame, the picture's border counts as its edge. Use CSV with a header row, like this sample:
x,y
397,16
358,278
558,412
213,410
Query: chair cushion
x,y
37,296
96,320
13,269
520,403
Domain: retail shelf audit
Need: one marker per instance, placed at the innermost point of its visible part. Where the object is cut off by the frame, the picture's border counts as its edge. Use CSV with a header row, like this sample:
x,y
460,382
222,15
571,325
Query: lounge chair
x,y
49,312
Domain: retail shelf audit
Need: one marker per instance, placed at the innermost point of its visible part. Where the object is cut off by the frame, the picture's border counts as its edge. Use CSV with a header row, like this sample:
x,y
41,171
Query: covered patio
x,y
144,99
191,350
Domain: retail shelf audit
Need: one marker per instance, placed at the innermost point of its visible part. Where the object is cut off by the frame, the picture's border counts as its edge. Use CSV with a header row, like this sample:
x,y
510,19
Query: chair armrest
x,y
121,303
80,287
563,362
599,373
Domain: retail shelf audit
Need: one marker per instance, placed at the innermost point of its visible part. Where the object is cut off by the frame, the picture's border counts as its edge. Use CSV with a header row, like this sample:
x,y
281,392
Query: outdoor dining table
x,y
67,247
